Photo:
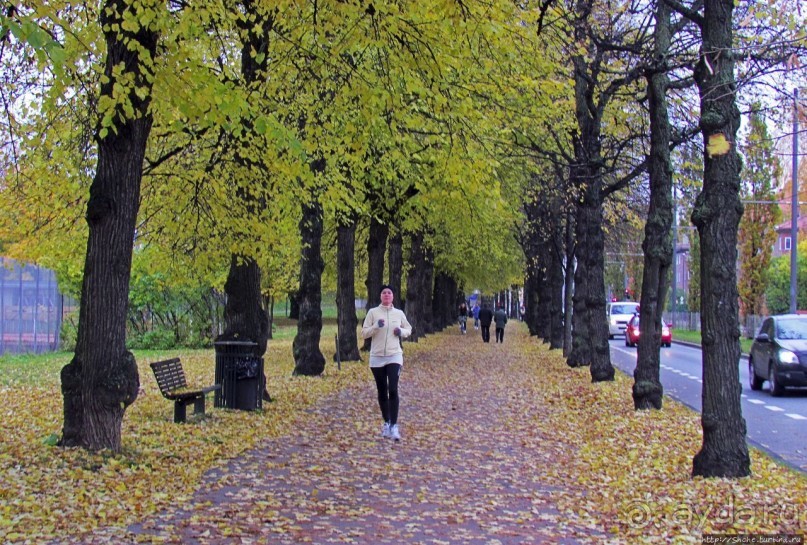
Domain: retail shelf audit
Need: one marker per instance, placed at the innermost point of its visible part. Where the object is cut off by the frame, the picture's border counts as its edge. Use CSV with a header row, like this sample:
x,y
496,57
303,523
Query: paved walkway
x,y
468,470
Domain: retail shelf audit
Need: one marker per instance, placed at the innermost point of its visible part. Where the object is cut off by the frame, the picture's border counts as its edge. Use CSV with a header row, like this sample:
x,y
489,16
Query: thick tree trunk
x,y
590,339
102,380
568,284
347,322
308,359
544,293
395,262
717,215
415,302
444,307
294,305
376,248
658,248
244,316
555,281
531,288
426,287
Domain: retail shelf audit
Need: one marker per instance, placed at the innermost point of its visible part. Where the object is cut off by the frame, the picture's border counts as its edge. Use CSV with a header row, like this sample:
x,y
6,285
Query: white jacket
x,y
385,343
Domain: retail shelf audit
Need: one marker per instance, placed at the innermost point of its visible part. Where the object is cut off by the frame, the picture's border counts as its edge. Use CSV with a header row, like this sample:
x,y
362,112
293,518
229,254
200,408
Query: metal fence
x,y
31,308
691,321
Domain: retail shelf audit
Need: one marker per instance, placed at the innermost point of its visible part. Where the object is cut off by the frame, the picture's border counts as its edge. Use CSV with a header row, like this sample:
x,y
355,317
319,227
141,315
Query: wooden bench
x,y
171,380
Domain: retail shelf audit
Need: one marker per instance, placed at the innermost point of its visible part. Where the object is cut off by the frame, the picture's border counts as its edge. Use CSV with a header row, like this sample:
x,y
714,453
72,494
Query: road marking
x,y
795,416
756,401
774,408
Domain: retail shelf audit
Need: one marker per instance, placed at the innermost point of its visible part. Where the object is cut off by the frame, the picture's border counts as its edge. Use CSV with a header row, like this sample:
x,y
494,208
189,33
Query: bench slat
x,y
171,379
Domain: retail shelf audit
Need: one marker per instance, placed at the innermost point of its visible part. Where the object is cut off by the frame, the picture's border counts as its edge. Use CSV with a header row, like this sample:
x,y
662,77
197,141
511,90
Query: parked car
x,y
618,315
632,332
779,353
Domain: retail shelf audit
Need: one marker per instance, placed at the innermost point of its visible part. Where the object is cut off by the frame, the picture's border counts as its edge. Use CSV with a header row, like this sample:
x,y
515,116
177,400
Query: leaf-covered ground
x,y
501,444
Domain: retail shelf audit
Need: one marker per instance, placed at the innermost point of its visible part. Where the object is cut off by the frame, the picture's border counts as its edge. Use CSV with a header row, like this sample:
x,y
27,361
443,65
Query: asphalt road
x,y
777,425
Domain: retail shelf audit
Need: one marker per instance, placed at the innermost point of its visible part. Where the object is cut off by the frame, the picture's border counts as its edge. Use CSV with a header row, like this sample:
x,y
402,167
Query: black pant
x,y
486,333
499,334
386,380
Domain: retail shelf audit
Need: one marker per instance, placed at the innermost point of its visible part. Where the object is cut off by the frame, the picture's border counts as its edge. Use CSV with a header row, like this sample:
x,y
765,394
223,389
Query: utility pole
x,y
794,207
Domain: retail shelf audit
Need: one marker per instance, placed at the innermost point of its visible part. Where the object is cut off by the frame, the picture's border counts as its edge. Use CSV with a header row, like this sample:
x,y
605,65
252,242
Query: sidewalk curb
x,y
743,356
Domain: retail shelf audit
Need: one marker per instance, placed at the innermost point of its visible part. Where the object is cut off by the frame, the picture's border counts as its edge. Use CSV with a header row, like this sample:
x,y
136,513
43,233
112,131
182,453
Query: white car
x,y
619,314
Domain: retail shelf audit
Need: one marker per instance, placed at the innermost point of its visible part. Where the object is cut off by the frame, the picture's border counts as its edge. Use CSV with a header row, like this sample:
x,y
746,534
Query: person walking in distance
x,y
386,325
475,312
485,318
500,317
463,317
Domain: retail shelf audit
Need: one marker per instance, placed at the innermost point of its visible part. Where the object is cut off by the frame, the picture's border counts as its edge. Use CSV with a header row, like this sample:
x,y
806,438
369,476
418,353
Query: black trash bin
x,y
240,373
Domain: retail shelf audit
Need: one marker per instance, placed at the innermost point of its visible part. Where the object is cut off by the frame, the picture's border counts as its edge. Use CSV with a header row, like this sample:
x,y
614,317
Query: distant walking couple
x,y
487,316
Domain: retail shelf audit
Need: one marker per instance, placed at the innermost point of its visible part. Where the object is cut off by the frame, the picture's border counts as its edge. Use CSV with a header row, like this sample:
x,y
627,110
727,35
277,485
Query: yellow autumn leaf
x,y
718,145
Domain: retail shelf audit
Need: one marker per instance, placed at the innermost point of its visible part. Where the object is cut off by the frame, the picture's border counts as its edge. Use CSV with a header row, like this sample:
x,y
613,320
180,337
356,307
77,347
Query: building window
x,y
787,244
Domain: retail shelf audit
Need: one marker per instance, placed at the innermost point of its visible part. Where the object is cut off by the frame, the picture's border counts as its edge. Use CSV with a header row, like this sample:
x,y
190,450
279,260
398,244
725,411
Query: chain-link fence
x,y
31,308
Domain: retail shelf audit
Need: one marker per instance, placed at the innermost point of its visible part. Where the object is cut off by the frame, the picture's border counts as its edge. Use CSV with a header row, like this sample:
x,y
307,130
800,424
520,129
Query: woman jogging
x,y
386,325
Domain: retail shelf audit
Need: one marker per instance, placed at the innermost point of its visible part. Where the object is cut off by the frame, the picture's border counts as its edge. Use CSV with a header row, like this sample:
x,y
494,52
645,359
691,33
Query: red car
x,y
632,333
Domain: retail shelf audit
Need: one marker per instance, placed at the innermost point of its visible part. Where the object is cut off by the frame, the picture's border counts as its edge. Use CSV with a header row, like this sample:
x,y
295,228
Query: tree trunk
x,y
568,284
658,246
426,289
102,380
308,359
244,316
395,264
590,339
415,303
555,281
294,305
717,215
531,288
444,306
347,322
376,247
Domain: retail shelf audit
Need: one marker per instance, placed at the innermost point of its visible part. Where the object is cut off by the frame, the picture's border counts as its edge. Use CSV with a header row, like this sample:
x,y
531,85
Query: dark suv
x,y
779,353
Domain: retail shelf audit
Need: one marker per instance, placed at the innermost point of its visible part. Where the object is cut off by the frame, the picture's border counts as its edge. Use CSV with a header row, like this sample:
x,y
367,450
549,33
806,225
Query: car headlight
x,y
788,357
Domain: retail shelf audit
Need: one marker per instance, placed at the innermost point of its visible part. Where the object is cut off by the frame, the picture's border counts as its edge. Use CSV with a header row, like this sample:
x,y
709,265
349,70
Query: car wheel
x,y
753,380
668,345
627,342
610,337
776,388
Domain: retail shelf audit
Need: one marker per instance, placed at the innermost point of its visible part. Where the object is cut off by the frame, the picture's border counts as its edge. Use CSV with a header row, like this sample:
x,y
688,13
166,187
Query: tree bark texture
x,y
308,359
427,287
717,215
416,303
532,282
244,316
102,380
444,308
534,277
395,263
658,244
590,339
376,248
347,322
568,283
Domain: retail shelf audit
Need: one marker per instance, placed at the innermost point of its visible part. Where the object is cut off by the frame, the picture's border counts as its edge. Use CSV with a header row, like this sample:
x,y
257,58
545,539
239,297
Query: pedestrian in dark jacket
x,y
485,318
500,317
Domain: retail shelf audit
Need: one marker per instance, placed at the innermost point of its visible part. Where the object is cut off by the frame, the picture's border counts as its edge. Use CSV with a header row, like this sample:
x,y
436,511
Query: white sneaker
x,y
385,431
394,432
